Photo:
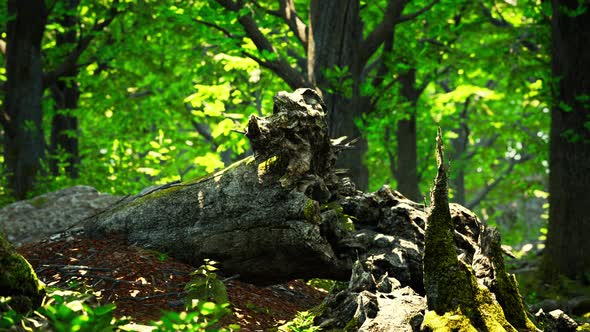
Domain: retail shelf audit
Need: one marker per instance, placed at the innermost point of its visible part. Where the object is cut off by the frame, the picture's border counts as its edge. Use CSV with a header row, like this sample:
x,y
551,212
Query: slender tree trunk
x,y
336,32
567,244
459,155
65,92
407,168
24,141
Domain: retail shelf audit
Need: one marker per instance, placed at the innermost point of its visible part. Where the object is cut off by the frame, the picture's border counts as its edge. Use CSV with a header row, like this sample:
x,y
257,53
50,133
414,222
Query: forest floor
x,y
143,283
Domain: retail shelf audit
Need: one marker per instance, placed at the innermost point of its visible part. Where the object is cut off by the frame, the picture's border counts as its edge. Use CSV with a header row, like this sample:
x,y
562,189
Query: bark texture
x,y
407,164
24,142
65,92
336,35
567,244
259,217
285,213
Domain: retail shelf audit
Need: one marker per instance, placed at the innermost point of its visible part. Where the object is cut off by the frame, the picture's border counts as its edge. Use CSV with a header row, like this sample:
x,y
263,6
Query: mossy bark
x,y
456,301
18,279
261,217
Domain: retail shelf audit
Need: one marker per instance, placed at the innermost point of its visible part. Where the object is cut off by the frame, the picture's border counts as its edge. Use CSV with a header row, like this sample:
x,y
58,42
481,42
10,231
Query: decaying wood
x,y
286,213
259,217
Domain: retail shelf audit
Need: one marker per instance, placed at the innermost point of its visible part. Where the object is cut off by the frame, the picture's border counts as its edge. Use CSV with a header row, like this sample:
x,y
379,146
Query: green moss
x,y
18,279
38,202
449,322
345,221
311,211
352,325
455,299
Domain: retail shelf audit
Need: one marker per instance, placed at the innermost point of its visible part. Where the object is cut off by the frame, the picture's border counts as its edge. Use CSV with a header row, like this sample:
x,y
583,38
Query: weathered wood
x,y
259,217
284,213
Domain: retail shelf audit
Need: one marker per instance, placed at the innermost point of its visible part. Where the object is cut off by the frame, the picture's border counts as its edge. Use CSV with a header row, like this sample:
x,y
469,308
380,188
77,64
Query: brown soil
x,y
143,283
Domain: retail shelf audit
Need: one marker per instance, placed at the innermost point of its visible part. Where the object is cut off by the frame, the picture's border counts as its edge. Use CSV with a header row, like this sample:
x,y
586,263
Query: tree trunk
x,y
261,217
407,168
567,244
285,214
24,140
336,32
65,92
459,155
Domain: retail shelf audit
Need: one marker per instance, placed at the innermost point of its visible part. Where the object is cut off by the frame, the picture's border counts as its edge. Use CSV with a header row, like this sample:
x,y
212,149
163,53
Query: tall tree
x,y
567,244
24,142
339,52
65,93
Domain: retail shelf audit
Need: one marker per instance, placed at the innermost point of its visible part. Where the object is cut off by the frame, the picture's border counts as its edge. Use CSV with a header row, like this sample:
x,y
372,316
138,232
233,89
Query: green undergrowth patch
x,y
80,310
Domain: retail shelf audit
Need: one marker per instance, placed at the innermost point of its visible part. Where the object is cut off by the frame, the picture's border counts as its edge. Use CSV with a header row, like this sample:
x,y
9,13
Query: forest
x,y
295,165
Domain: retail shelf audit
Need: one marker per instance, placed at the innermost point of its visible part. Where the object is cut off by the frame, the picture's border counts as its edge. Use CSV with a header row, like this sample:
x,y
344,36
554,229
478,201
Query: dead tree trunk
x,y
285,213
261,217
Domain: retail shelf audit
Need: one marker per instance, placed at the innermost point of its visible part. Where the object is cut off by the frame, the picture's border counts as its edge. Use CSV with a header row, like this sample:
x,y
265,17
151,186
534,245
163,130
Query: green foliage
x,y
65,311
204,286
327,284
68,314
303,322
74,311
203,317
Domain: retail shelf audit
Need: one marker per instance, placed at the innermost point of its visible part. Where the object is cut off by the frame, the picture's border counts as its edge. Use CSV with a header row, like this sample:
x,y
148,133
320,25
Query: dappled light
x,y
143,283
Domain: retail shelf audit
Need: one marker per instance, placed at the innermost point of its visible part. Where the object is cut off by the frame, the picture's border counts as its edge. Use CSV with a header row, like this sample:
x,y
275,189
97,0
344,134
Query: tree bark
x,y
261,217
65,93
407,167
284,213
567,244
459,155
24,139
335,37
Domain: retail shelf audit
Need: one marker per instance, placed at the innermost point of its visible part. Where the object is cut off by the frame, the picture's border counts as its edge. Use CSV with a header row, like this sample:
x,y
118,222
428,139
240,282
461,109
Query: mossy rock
x,y
18,279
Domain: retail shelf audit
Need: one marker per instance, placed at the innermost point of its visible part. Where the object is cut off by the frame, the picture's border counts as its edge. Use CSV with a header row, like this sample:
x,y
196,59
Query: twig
x,y
75,267
148,297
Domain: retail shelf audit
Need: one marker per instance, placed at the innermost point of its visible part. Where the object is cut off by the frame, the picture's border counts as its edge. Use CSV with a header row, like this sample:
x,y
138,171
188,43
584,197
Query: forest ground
x,y
143,283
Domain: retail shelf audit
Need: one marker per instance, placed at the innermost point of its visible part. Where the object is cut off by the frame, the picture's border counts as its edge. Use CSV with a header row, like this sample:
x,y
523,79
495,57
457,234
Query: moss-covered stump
x,y
18,280
456,300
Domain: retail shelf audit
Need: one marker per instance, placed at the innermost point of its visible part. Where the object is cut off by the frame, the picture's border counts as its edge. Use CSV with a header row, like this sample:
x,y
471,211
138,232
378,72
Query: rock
x,y
18,281
37,218
369,305
401,310
556,321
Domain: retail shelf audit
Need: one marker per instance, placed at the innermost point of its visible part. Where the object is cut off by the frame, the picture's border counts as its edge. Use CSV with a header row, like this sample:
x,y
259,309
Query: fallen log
x,y
261,217
286,213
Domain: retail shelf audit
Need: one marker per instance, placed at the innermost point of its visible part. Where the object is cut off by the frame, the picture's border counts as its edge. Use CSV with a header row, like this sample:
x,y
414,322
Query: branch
x,y
288,13
279,66
412,16
481,195
69,63
382,31
217,27
502,23
393,15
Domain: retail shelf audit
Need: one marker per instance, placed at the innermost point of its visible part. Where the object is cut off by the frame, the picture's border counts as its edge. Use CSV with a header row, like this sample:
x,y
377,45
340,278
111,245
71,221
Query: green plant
x,y
205,286
9,317
327,284
63,311
204,317
68,311
257,308
303,322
